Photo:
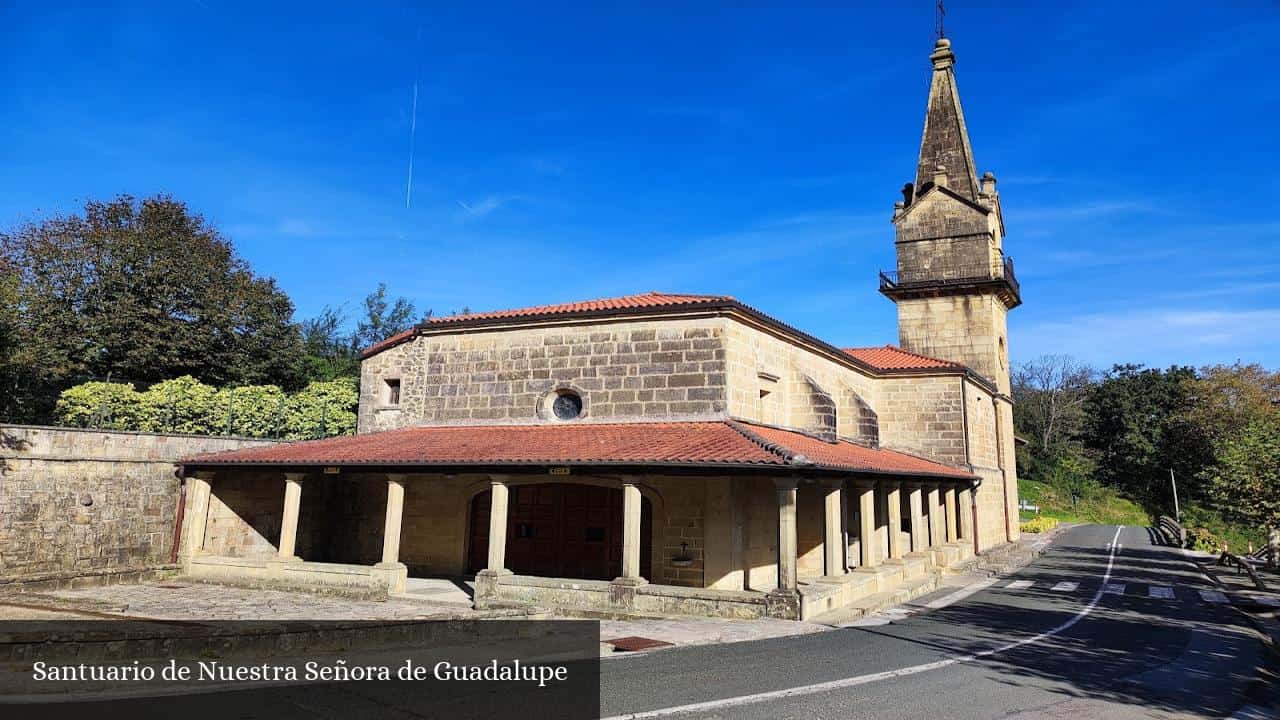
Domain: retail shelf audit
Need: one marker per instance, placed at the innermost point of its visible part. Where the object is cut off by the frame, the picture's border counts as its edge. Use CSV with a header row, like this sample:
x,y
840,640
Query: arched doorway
x,y
561,530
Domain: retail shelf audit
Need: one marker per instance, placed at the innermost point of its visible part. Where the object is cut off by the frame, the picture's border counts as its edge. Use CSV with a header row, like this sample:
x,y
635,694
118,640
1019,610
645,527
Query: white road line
x,y
875,677
1113,588
1019,584
1213,596
959,595
1160,592
1065,587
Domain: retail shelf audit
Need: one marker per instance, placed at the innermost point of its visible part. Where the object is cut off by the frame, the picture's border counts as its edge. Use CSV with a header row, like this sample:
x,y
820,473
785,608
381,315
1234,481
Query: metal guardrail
x,y
1244,564
999,269
1173,530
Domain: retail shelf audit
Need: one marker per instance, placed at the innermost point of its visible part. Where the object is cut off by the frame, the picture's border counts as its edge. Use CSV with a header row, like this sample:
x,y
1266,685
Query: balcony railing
x,y
1001,269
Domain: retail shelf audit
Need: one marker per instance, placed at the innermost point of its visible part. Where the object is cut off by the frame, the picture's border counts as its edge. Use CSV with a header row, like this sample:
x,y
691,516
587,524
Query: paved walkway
x,y
181,600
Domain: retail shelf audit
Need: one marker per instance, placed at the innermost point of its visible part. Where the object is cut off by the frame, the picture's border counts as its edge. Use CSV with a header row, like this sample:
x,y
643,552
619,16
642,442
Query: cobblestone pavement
x,y
181,600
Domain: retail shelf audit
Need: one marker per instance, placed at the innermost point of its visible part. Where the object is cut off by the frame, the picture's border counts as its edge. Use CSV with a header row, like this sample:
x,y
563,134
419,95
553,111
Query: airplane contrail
x,y
413,115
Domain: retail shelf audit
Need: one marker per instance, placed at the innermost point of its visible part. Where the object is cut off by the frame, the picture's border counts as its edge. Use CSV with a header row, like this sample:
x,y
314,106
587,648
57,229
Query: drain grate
x,y
633,643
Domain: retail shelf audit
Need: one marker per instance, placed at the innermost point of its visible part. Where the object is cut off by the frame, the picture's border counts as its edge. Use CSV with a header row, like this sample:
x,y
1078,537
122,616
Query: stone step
x,y
875,603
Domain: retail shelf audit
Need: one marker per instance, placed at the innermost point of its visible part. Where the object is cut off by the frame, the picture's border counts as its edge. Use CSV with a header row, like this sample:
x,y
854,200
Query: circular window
x,y
567,405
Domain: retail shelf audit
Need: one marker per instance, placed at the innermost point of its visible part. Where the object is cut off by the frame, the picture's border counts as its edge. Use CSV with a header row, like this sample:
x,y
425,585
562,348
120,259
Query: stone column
x,y
394,516
196,513
833,523
631,504
784,600
894,498
498,526
934,501
289,523
919,527
867,526
949,501
787,542
966,513
392,574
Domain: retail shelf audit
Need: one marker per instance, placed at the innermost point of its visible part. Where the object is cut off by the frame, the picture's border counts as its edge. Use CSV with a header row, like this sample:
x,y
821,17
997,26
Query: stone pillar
x,y
934,502
919,527
394,516
949,501
784,601
391,573
894,498
833,523
196,513
289,523
871,553
966,513
498,526
631,533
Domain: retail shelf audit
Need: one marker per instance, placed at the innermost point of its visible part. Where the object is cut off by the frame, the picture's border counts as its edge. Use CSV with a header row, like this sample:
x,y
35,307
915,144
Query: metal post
x,y
1177,513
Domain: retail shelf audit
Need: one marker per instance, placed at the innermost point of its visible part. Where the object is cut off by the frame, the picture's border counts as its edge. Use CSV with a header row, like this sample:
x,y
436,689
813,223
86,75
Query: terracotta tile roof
x,y
652,299
706,443
890,357
643,300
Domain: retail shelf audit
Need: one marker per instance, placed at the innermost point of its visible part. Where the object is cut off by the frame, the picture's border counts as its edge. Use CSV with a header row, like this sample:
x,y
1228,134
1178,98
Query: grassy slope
x,y
1103,505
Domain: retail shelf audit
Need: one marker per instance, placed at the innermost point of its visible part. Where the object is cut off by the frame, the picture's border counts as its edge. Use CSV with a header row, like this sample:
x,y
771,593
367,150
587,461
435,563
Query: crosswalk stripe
x,y
1113,588
1066,586
1020,584
1160,592
1213,596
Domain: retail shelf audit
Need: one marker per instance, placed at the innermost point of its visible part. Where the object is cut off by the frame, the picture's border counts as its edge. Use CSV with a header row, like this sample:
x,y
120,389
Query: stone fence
x,y
77,503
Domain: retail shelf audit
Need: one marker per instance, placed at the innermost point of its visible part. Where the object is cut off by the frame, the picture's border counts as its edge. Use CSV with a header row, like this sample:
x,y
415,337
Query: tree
x,y
144,290
1128,420
1049,396
1245,480
330,353
382,319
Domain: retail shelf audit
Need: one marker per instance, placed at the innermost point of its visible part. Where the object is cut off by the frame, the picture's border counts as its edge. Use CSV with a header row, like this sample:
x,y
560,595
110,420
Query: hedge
x,y
186,405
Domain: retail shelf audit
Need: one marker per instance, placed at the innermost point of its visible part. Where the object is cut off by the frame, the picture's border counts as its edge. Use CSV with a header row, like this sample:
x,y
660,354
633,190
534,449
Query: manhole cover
x,y
633,643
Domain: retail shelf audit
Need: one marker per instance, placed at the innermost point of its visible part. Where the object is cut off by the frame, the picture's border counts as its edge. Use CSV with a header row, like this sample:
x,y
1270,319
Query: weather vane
x,y
940,15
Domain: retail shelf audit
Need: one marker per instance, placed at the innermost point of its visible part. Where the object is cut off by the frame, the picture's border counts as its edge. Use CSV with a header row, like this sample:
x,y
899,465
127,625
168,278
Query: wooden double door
x,y
561,530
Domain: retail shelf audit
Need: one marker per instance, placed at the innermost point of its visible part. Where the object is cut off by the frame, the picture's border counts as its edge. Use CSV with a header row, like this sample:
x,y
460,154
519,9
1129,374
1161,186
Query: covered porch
x,y
719,519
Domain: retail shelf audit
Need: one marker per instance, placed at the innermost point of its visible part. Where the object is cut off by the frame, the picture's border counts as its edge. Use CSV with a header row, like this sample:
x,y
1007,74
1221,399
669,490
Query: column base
x,y
782,604
486,588
622,592
393,576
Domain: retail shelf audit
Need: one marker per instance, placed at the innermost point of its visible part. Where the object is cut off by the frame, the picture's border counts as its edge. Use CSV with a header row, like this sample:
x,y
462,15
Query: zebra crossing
x,y
1151,592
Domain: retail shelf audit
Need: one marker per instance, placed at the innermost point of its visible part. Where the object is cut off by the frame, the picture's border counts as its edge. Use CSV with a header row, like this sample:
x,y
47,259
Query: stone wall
x,y
969,329
621,369
77,502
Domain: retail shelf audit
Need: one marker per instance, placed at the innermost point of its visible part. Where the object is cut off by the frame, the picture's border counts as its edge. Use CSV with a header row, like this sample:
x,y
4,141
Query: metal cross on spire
x,y
939,16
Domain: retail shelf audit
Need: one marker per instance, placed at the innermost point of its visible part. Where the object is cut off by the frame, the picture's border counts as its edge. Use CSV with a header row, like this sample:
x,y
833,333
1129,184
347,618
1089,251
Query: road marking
x,y
875,677
1019,585
1065,586
1160,592
1213,596
1113,588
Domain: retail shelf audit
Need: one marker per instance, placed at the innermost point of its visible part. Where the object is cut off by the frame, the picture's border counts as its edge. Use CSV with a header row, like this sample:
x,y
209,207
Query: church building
x,y
662,452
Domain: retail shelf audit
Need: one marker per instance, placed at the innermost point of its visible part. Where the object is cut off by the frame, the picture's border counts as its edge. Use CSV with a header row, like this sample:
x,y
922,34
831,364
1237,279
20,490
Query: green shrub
x,y
1038,525
180,405
251,411
113,406
323,409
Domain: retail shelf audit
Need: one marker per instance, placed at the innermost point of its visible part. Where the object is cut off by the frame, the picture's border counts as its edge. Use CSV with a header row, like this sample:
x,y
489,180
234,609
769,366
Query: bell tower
x,y
953,284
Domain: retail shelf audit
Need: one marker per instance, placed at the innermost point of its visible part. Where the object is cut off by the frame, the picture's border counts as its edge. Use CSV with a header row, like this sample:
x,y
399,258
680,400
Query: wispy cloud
x,y
1154,337
484,206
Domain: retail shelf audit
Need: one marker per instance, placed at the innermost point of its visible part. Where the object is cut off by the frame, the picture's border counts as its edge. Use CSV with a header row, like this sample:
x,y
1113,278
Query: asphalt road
x,y
1047,650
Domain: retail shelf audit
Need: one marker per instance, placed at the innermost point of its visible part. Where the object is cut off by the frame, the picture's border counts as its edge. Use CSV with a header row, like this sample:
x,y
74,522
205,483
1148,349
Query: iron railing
x,y
1000,269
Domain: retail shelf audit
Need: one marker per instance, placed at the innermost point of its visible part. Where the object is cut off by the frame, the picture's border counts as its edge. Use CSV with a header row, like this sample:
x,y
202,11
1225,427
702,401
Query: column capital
x,y
499,479
294,477
785,483
203,474
630,480
833,483
397,478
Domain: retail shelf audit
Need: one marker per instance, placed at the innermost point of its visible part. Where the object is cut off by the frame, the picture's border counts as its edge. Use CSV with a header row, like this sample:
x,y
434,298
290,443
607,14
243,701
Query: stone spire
x,y
944,149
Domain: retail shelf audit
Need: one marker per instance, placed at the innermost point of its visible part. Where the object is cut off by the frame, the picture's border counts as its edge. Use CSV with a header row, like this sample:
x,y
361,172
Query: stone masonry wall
x,y
969,329
81,502
622,370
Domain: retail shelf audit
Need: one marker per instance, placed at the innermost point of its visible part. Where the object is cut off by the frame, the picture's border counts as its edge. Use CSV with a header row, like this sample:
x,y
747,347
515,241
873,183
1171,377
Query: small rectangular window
x,y
393,391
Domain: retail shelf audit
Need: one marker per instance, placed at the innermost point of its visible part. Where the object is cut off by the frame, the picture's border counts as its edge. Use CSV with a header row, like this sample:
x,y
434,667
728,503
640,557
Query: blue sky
x,y
566,152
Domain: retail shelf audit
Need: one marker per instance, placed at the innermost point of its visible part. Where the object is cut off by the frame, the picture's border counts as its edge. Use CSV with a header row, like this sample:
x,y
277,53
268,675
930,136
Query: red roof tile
x,y
889,357
652,299
676,443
